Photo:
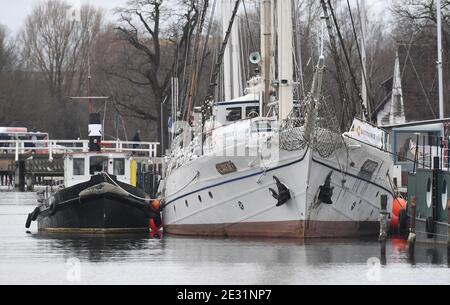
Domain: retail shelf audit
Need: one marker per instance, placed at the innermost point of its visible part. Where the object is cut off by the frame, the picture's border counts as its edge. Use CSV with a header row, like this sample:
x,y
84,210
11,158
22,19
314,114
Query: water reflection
x,y
100,247
130,258
428,254
108,247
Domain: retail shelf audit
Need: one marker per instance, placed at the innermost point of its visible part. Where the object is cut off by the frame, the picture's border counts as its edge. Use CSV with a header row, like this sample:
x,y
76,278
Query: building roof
x,y
381,105
419,81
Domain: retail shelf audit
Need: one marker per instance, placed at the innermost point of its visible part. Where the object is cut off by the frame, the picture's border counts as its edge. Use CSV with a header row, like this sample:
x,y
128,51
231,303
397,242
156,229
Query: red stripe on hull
x,y
287,229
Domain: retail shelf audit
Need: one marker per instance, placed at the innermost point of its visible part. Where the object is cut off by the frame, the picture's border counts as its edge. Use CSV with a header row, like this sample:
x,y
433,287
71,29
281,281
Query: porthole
x,y
429,193
353,206
199,198
444,195
210,195
241,205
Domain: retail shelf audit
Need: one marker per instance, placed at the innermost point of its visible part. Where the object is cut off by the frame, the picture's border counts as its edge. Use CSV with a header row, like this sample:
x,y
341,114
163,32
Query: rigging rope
x,y
105,174
347,107
347,59
216,69
195,61
361,60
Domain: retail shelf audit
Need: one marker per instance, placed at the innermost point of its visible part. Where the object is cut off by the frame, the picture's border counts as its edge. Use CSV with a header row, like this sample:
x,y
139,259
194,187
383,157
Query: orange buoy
x,y
153,226
155,221
156,204
398,205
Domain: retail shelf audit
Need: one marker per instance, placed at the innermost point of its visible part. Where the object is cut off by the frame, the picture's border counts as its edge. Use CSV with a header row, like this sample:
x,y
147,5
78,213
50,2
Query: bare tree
x,y
57,46
416,20
160,33
7,54
16,87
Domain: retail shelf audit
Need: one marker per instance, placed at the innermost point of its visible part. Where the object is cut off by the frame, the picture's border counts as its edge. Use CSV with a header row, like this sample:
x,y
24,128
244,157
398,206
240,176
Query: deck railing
x,y
53,147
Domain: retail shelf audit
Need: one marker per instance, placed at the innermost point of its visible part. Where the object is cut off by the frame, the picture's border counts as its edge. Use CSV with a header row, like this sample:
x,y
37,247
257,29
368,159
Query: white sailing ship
x,y
249,173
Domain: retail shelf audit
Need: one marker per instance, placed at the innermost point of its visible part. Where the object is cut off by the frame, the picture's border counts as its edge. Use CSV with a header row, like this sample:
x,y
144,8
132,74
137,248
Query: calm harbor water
x,y
33,258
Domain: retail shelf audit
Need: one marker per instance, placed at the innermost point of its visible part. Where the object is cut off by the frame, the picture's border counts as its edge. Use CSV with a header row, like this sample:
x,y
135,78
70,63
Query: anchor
x,y
283,194
326,191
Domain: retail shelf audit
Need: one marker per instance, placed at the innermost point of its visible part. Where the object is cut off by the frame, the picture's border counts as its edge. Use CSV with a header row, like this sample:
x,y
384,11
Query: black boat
x,y
98,195
102,204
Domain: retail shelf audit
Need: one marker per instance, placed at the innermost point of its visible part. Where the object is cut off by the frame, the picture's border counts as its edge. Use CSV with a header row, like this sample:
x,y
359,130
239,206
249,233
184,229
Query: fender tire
x,y
429,227
28,222
35,214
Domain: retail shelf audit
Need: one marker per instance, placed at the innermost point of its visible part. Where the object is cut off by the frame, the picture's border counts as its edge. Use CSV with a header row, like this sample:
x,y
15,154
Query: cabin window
x,y
261,126
98,164
234,114
406,145
252,112
119,167
78,167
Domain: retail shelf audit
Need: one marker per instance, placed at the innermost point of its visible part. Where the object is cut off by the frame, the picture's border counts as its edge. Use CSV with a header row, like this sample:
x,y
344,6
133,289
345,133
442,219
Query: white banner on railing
x,y
367,133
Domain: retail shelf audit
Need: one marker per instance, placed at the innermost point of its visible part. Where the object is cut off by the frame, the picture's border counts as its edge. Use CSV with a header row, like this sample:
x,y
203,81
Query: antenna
x,y
363,19
439,62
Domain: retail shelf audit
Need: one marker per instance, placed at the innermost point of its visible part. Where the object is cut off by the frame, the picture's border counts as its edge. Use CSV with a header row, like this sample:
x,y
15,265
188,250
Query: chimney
x,y
95,132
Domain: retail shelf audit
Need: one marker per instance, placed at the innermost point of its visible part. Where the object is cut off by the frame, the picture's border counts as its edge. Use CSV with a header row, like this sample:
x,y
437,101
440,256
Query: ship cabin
x,y
245,107
79,167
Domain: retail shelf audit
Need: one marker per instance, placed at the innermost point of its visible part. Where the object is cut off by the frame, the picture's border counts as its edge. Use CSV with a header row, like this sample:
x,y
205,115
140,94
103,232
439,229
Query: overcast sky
x,y
14,12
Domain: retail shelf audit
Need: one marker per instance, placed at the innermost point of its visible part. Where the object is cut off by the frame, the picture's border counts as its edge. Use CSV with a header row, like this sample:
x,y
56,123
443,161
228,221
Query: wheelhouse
x,y
80,167
246,107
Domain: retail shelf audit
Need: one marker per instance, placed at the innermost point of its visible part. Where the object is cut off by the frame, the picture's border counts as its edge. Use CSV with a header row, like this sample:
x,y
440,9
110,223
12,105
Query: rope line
x,y
105,174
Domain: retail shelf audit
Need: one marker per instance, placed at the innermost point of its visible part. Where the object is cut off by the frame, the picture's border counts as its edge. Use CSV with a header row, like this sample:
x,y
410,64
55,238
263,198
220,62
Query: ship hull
x,y
96,207
240,204
280,229
105,213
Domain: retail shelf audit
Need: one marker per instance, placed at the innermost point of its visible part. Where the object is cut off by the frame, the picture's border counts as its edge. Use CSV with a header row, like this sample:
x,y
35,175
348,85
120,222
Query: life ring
x,y
429,227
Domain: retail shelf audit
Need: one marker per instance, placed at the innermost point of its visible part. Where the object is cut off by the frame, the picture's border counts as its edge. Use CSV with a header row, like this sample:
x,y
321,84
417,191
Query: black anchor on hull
x,y
283,195
326,191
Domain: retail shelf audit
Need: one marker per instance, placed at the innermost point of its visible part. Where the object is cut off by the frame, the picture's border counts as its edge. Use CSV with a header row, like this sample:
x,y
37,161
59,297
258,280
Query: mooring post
x,y
383,218
412,223
17,152
50,151
20,175
30,182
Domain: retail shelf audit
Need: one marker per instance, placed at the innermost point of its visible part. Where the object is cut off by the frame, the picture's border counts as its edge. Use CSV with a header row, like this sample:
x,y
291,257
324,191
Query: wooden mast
x,y
266,40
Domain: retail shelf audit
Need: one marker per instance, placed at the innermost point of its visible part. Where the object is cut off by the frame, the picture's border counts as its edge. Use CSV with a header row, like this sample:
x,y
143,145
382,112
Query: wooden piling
x,y
30,183
20,176
412,223
448,224
383,218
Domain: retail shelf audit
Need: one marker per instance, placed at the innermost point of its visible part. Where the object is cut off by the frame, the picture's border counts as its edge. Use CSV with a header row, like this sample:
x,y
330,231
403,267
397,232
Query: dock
x,y
24,164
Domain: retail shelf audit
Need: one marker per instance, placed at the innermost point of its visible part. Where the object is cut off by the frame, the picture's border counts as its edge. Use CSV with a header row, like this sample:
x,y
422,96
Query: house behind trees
x,y
411,93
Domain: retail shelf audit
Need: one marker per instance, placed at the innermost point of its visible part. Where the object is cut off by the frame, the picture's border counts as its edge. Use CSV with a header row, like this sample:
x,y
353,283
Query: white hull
x,y
201,201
